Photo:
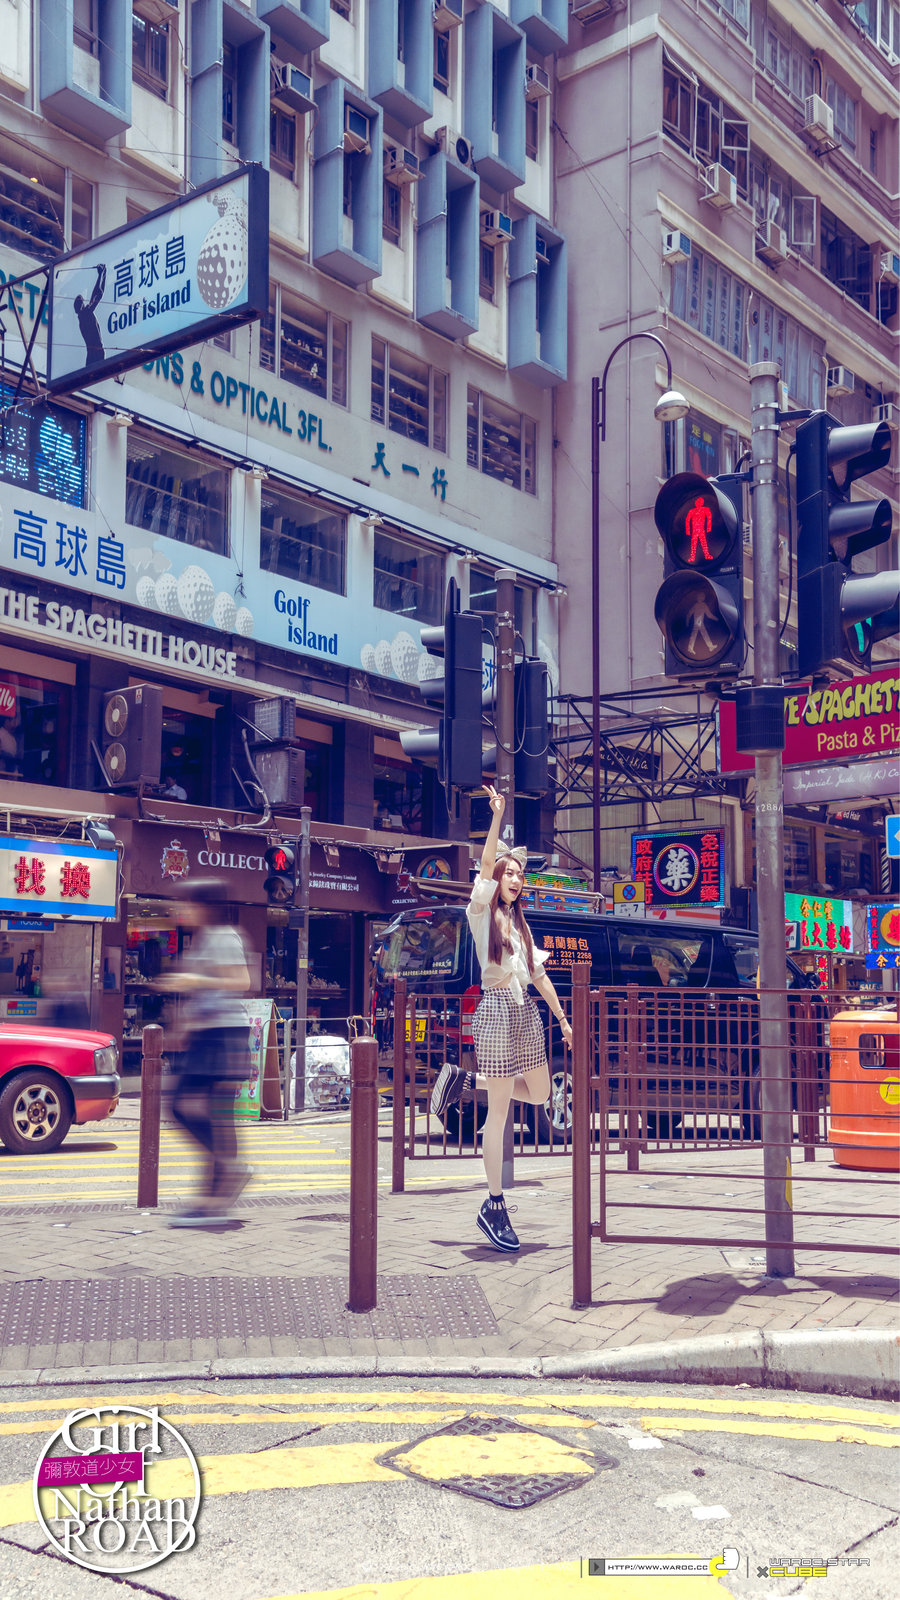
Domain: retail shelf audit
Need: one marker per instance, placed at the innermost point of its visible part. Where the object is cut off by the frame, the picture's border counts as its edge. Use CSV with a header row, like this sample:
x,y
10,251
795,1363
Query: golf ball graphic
x,y
224,612
196,594
404,657
243,622
427,667
146,591
167,594
383,663
367,657
224,255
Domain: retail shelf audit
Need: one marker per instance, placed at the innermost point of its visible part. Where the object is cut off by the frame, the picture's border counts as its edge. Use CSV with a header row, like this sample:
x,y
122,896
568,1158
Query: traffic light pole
x,y
299,1095
777,1120
505,729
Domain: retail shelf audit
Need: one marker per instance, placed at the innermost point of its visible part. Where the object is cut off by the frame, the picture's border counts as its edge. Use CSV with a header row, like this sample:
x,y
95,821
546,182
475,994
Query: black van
x,y
432,948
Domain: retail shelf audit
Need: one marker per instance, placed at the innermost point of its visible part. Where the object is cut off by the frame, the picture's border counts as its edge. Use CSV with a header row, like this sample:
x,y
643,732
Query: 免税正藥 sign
x,y
176,276
818,922
858,717
56,879
680,869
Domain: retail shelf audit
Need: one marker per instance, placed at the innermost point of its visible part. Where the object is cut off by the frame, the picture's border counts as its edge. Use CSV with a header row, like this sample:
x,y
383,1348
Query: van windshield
x,y
426,946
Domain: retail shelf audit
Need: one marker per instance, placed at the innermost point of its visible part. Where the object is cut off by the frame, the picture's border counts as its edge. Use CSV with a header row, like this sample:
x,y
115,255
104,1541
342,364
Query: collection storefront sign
x,y
857,717
50,877
680,869
883,937
818,923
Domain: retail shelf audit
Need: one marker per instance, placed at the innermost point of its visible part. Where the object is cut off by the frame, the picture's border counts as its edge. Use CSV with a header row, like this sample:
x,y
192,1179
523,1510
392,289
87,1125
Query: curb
x,y
864,1362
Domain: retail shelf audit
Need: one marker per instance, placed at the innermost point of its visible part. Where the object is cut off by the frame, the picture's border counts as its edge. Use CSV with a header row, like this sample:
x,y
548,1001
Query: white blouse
x,y
513,967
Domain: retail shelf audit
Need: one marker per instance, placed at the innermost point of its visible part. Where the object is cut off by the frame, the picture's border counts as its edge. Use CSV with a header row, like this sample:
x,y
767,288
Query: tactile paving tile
x,y
79,1311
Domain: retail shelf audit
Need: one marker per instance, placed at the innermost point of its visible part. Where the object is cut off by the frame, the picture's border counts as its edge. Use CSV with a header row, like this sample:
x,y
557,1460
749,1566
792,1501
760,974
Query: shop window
x,y
398,790
43,207
302,343
301,540
409,580
43,450
283,142
175,495
150,55
441,70
842,865
392,217
229,93
798,856
187,758
34,728
501,442
409,395
483,598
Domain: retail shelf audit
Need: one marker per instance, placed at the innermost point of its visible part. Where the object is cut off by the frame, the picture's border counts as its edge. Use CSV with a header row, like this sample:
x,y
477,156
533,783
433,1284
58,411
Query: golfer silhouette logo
x,y
698,524
87,321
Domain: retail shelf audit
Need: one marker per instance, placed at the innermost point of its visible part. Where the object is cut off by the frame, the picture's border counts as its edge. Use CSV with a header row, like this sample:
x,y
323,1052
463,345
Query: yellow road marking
x,y
474,1455
839,1433
326,1418
559,1581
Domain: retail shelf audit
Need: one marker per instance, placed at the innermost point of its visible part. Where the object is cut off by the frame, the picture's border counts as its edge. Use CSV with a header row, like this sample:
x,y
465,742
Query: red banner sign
x,y
859,717
7,700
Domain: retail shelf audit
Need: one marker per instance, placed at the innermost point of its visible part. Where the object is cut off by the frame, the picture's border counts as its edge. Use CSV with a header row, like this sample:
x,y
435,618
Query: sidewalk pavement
x,y
106,1292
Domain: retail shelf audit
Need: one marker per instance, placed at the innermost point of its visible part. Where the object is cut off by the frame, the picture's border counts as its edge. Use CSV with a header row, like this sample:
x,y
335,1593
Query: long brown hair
x,y
498,938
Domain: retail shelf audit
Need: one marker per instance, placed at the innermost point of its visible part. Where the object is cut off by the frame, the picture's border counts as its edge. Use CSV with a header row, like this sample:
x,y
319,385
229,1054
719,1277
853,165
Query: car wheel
x,y
663,1124
34,1112
472,1119
555,1113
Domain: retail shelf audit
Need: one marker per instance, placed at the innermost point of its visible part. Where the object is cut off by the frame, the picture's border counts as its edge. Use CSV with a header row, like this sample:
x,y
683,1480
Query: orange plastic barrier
x,y
864,1125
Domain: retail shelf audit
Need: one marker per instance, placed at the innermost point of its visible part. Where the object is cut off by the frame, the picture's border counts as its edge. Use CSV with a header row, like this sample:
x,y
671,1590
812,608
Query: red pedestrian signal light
x,y
700,606
281,881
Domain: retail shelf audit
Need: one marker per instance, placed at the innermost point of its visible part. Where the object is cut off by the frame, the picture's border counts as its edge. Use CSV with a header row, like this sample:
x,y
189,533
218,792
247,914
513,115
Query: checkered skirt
x,y
508,1039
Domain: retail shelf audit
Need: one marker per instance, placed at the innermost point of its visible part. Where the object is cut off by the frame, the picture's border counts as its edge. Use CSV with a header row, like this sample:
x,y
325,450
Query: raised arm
x,y
489,849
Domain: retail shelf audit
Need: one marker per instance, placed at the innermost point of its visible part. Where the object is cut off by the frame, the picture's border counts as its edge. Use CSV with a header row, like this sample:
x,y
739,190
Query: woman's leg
x,y
499,1093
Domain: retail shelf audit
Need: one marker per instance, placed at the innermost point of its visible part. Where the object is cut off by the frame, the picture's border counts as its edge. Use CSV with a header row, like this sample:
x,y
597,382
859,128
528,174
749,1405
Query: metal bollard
x,y
363,1175
398,1143
151,1094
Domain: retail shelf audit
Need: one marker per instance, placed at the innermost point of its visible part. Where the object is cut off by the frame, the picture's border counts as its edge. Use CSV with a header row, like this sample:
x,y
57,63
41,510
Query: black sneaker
x,y
494,1223
448,1089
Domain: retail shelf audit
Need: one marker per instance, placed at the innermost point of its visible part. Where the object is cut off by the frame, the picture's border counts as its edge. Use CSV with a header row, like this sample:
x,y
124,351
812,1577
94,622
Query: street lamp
x,y
669,408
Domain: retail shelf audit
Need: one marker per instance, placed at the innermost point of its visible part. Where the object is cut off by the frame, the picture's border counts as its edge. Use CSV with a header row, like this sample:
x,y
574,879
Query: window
x,y
678,104
532,127
229,93
344,8
301,540
487,260
782,53
845,259
175,495
43,208
483,599
43,449
844,107
704,123
392,213
501,442
873,152
397,798
84,26
409,579
303,344
283,142
34,728
441,71
409,395
150,55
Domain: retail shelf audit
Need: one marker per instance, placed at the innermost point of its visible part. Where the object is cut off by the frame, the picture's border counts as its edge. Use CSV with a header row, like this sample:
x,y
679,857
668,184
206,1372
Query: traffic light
x,y
700,605
281,865
532,738
457,743
840,614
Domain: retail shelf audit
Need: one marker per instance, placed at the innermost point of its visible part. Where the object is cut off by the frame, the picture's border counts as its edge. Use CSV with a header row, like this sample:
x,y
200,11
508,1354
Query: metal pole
x,y
596,765
148,1137
398,1131
505,730
581,1136
363,1175
774,1044
299,1096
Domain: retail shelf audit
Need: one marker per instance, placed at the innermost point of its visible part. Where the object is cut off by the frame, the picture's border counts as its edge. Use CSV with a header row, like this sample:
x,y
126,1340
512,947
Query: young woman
x,y
510,1054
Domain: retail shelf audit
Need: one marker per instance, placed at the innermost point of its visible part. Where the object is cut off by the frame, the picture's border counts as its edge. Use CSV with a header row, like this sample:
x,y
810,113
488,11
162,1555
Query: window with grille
x,y
301,540
501,442
409,396
302,343
392,213
283,142
409,578
175,495
150,55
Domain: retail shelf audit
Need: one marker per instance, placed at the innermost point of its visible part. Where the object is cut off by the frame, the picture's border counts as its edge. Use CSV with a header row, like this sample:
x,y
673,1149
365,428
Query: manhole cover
x,y
492,1458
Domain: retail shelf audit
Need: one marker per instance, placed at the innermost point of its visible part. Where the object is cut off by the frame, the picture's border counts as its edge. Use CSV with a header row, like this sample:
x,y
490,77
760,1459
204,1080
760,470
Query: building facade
x,y
275,512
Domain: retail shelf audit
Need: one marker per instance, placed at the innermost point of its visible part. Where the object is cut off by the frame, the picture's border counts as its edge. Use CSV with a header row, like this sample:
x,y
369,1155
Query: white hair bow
x,y
519,854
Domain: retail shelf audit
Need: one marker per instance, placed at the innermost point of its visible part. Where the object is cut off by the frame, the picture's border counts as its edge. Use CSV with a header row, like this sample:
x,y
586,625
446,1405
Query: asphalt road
x,y
300,1497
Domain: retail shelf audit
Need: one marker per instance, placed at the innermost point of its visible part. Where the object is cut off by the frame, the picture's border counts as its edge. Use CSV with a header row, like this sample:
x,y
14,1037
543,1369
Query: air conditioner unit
x,y
721,187
159,12
840,381
589,10
542,251
356,130
448,14
675,246
496,227
818,117
890,268
537,82
887,411
456,145
291,88
401,165
771,243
